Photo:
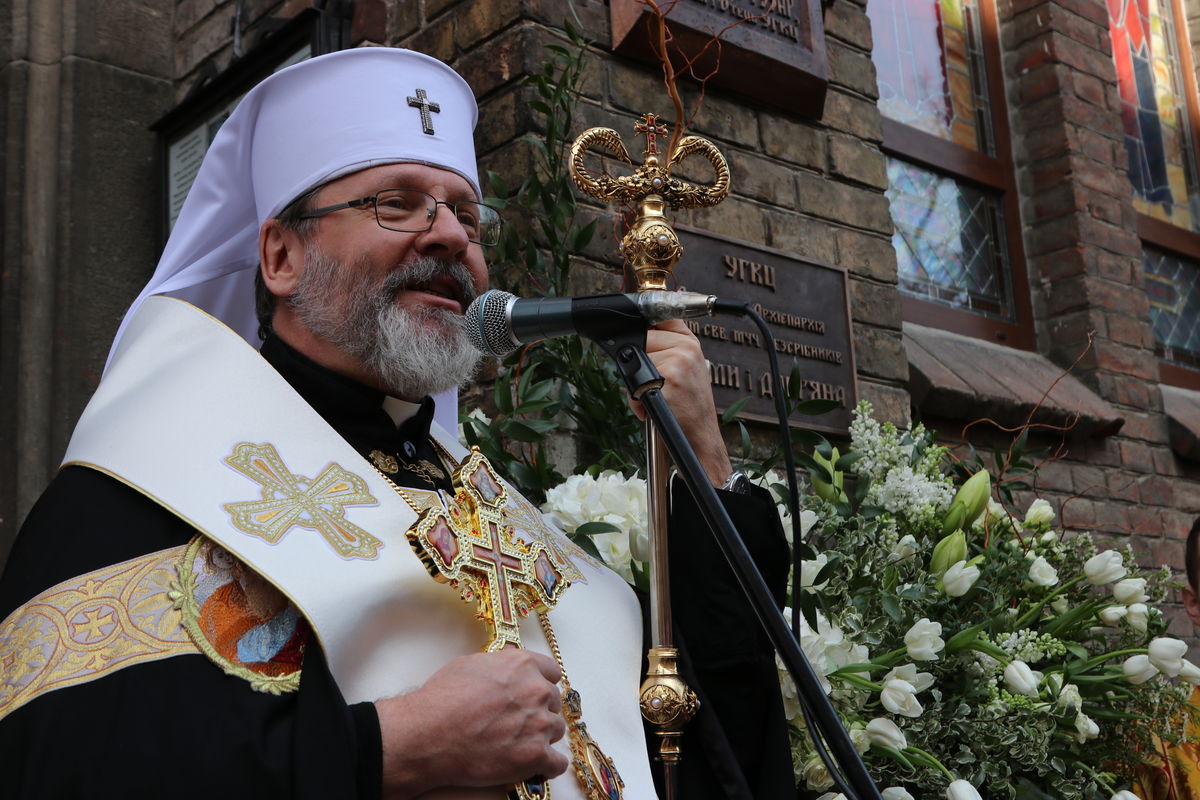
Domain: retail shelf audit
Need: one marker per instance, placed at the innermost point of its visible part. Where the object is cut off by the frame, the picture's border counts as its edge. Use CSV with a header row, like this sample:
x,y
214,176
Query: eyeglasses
x,y
413,211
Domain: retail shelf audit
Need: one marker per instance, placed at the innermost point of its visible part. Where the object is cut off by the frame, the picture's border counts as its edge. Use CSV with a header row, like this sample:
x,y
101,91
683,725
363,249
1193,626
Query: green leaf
x,y
595,527
891,607
520,431
815,408
733,410
586,544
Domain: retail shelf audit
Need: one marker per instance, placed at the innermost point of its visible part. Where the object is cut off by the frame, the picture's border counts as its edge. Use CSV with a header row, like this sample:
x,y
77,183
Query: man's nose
x,y
446,234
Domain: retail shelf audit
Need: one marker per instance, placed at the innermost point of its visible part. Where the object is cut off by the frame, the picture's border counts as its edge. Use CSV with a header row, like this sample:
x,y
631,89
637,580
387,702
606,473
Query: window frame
x,y
1163,235
993,174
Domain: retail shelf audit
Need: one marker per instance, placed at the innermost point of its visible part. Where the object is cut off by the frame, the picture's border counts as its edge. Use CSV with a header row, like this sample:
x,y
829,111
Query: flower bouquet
x,y
971,651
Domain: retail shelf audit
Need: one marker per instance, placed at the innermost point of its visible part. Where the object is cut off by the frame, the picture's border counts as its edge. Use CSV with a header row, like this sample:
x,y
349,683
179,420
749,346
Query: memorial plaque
x,y
805,303
776,55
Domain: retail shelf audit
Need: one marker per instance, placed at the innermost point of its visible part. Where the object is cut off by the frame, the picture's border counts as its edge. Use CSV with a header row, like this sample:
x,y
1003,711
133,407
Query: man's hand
x,y
676,354
487,719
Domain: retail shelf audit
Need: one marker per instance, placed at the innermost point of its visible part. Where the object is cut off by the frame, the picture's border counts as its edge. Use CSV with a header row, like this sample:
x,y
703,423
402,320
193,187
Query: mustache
x,y
421,274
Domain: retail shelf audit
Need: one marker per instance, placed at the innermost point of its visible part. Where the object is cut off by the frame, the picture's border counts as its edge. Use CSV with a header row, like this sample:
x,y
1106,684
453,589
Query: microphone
x,y
499,322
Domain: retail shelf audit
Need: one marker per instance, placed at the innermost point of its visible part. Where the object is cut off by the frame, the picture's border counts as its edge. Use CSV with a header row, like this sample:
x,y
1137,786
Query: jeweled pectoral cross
x,y
472,545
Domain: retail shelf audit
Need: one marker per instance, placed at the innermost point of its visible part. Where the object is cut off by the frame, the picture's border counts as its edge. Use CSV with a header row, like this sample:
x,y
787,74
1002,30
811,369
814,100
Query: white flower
x,y
1111,615
608,497
1039,513
816,774
905,548
1069,698
860,739
1138,669
1104,568
885,733
809,568
808,518
1138,616
1166,654
1130,590
832,796
896,793
908,672
1041,573
900,697
959,578
1085,728
477,415
1125,795
961,790
1021,679
1059,605
924,640
1189,672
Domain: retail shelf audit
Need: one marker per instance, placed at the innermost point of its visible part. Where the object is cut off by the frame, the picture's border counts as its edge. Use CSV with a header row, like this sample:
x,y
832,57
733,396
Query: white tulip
x,y
1130,590
832,796
1189,672
959,578
1040,513
908,672
1125,795
1069,698
1104,568
1041,573
899,697
1085,728
961,790
1138,669
1138,616
1021,679
896,793
807,520
924,640
1167,655
1111,615
905,548
1060,605
885,733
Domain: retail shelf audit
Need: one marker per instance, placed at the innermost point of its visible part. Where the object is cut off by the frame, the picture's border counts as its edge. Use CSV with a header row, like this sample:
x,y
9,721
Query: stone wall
x,y
79,84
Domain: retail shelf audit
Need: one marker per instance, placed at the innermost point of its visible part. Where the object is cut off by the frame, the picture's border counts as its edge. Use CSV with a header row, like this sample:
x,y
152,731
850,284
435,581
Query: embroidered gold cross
x,y
473,547
289,500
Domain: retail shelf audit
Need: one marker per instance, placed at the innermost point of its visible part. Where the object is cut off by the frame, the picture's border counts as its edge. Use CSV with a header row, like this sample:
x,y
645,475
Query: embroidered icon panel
x,y
289,500
243,623
89,627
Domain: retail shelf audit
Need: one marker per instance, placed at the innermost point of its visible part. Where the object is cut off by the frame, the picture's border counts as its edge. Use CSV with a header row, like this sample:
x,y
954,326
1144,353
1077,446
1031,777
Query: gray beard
x,y
411,351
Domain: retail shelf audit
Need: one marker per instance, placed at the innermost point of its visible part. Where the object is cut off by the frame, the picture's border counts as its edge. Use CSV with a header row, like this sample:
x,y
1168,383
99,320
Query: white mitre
x,y
296,130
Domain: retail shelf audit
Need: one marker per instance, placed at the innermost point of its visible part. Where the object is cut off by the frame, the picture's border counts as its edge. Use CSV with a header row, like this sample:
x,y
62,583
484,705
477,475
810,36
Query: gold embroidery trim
x,y
89,627
183,594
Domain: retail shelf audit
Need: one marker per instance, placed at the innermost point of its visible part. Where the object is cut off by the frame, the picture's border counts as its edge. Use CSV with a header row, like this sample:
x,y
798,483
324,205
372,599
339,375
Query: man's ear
x,y
280,257
1191,604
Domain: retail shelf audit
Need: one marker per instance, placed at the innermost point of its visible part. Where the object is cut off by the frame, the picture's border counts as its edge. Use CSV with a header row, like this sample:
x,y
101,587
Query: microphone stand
x,y
644,383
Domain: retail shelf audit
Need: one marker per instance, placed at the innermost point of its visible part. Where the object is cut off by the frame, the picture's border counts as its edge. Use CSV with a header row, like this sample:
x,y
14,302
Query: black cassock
x,y
181,728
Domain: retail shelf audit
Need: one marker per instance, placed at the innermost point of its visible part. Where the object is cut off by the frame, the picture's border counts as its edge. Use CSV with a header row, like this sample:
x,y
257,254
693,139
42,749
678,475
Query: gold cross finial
x,y
472,546
649,126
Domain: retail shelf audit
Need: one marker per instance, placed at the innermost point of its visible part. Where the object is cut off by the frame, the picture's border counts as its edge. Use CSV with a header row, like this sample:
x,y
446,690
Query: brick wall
x,y
1084,260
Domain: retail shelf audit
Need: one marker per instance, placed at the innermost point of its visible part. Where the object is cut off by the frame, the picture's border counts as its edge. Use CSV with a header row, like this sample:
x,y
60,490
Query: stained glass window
x,y
1162,164
930,68
948,242
1173,285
